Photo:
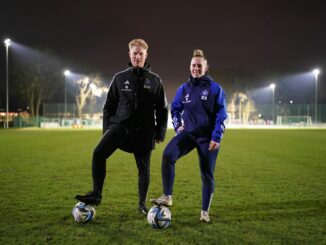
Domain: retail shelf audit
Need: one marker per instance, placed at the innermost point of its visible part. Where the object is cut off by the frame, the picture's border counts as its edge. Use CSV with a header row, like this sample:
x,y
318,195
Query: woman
x,y
198,113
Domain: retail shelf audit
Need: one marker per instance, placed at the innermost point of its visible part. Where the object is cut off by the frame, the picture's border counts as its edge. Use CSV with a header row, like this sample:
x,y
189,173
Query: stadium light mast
x,y
66,73
272,86
7,43
316,73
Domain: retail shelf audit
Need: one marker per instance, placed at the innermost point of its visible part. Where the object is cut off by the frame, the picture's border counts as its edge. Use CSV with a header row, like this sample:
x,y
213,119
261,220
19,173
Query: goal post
x,y
294,121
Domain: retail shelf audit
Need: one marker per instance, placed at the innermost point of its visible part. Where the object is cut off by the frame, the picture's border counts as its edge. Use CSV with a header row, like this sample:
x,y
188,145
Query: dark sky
x,y
92,36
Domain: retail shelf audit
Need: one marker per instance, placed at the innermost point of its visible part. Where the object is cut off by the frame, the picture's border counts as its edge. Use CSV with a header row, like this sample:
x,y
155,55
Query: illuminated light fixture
x,y
66,72
7,42
316,72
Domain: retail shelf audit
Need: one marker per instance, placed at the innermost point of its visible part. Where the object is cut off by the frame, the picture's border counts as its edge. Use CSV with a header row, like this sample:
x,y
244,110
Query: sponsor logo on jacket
x,y
126,86
147,84
186,99
204,94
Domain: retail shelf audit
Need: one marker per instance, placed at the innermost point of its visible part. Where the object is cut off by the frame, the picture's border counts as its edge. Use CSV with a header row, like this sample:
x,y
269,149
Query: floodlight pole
x,y
7,44
316,96
316,73
65,97
273,105
66,73
272,86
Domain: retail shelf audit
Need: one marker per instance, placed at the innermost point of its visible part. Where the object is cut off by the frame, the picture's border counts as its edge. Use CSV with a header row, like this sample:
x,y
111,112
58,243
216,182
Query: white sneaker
x,y
163,200
204,216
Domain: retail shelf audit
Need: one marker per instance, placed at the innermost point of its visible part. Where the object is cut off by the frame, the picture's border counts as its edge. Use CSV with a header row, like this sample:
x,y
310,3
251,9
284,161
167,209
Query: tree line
x,y
38,78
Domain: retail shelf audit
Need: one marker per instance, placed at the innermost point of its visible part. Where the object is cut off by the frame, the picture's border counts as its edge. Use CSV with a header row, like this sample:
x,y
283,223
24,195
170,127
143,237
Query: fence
x,y
262,114
266,111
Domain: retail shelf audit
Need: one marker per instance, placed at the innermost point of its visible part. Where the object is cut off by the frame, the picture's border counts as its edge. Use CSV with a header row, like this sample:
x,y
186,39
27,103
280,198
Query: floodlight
x,y
316,72
67,73
7,42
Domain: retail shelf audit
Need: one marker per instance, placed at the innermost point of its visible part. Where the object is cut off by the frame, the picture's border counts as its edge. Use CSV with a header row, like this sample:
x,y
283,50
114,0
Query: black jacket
x,y
136,102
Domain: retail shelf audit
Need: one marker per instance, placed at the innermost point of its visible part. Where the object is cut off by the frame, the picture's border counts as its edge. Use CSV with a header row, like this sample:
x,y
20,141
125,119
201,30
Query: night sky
x,y
92,36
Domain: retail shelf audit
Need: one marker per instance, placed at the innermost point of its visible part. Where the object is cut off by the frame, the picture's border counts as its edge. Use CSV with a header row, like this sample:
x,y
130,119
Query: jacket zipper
x,y
136,101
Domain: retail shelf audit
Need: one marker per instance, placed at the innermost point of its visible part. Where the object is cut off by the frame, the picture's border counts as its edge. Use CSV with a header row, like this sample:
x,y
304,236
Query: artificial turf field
x,y
270,189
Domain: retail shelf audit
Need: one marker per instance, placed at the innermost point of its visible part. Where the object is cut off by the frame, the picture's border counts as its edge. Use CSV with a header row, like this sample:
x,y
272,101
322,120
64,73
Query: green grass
x,y
270,189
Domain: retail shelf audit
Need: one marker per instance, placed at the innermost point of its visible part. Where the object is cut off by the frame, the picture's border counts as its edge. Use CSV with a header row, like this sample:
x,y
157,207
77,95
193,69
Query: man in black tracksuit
x,y
134,118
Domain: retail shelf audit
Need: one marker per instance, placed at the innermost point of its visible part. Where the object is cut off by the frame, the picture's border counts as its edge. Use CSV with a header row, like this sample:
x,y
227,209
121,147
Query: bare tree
x,y
84,92
241,107
37,80
88,88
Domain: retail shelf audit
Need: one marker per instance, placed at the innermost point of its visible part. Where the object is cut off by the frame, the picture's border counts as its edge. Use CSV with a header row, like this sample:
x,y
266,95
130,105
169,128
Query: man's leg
x,y
109,142
143,165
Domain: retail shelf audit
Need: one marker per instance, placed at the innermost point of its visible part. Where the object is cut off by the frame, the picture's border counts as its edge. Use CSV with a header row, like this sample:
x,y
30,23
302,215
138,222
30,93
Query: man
x,y
134,118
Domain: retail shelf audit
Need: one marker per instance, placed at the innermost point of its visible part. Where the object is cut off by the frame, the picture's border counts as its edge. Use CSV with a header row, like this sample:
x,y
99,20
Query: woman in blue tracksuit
x,y
198,113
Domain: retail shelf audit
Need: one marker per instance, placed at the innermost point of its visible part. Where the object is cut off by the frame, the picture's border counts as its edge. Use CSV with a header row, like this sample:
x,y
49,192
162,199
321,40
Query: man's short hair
x,y
139,43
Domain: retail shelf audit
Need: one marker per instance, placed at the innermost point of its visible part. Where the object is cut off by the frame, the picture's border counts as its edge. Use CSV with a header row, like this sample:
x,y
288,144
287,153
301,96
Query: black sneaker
x,y
92,198
142,209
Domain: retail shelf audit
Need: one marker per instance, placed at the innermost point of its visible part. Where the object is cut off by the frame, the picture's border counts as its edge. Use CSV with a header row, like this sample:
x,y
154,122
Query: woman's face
x,y
198,66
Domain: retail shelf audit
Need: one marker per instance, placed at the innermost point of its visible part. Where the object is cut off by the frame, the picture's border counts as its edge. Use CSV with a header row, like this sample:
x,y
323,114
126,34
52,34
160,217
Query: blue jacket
x,y
199,105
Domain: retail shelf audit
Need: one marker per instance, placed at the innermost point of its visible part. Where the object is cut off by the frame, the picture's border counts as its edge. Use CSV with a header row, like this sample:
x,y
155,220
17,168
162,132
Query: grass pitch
x,y
270,189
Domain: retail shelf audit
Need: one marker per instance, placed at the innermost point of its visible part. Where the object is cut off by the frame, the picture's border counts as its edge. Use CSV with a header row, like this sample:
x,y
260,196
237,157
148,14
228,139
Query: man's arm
x,y
161,114
111,104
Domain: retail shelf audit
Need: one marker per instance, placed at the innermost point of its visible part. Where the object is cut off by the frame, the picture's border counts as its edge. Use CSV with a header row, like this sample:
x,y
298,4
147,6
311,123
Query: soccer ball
x,y
83,213
159,217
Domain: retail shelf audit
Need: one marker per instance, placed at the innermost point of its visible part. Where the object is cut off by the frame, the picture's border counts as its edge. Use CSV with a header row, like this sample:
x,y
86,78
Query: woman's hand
x,y
213,146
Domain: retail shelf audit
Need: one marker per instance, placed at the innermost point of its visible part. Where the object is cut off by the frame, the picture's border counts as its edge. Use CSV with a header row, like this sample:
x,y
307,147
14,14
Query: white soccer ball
x,y
83,213
159,217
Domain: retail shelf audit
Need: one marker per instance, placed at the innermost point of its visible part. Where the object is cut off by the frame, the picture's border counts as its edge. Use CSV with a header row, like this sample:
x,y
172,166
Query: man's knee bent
x,y
98,153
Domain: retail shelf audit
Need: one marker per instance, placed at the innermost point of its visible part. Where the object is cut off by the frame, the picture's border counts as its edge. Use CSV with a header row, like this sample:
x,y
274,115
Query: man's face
x,y
137,56
198,66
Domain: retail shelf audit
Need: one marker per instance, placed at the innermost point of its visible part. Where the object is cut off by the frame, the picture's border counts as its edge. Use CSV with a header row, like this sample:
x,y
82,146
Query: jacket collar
x,y
138,70
194,81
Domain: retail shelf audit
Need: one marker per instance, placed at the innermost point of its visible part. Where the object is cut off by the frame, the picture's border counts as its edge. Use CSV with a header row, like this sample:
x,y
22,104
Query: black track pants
x,y
111,141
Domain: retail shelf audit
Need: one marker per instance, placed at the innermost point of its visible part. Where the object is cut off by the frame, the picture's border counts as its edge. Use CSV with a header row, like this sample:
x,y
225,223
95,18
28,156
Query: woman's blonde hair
x,y
139,43
198,53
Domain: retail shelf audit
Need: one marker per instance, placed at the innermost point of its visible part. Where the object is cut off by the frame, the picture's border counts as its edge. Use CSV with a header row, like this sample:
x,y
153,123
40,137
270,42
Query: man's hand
x,y
213,146
158,141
